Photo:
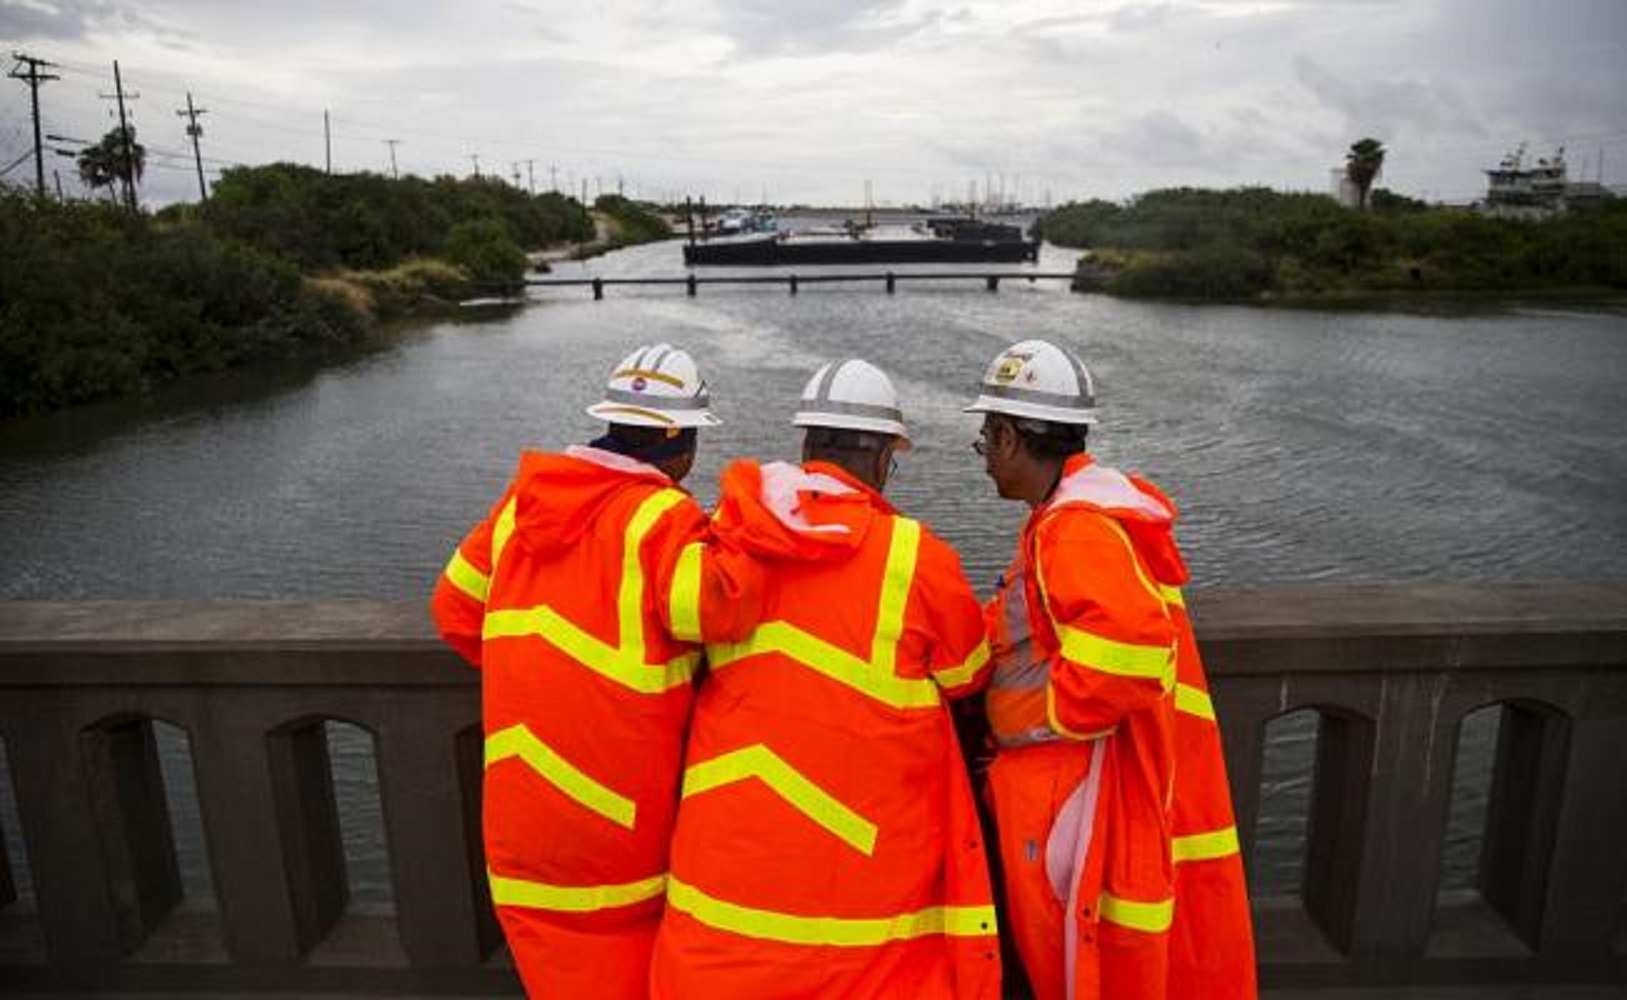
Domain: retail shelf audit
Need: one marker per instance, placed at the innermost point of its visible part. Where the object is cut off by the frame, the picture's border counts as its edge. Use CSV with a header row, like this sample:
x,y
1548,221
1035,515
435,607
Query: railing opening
x,y
1462,925
1277,867
361,818
189,930
1312,818
1522,814
346,903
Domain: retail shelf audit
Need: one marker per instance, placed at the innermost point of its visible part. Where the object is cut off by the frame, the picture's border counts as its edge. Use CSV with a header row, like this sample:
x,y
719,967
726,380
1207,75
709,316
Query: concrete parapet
x,y
1390,671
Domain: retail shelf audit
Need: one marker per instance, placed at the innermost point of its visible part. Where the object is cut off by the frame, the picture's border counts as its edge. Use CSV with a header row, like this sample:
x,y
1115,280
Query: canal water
x,y
1448,444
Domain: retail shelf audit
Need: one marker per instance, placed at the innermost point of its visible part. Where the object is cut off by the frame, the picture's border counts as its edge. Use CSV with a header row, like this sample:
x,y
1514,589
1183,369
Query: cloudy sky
x,y
921,100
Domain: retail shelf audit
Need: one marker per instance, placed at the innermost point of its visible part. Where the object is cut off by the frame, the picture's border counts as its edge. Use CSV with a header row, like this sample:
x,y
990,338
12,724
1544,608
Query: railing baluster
x,y
1582,908
132,818
241,825
59,826
436,906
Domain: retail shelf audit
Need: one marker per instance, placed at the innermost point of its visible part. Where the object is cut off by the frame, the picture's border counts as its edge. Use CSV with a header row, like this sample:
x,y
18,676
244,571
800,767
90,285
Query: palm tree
x,y
106,163
1362,164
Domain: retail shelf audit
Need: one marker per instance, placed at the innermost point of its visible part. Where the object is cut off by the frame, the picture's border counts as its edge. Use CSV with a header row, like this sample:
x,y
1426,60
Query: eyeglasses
x,y
981,445
892,467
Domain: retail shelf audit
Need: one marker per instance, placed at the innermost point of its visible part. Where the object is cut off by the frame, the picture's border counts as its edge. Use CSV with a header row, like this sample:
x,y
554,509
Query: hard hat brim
x,y
848,422
1033,411
649,416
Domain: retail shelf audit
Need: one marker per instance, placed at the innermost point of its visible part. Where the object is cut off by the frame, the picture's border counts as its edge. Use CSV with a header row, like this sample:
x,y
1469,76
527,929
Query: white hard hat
x,y
1038,380
852,395
656,386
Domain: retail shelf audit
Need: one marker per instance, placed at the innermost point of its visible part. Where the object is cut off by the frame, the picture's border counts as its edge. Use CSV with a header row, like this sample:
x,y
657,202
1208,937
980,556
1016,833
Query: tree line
x,y
1254,243
97,301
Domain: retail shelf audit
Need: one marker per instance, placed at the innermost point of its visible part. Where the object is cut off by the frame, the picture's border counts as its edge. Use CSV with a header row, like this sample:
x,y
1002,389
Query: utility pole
x,y
515,166
327,142
34,78
392,143
530,178
553,178
57,174
475,158
195,130
124,137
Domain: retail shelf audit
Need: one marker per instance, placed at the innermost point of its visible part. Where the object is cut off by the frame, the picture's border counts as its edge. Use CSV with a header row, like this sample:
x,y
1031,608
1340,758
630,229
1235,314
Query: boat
x,y
937,241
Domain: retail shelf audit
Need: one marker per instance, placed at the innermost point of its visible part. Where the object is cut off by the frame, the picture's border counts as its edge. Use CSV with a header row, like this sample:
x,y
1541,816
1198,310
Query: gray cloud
x,y
1092,97
758,29
1406,105
30,20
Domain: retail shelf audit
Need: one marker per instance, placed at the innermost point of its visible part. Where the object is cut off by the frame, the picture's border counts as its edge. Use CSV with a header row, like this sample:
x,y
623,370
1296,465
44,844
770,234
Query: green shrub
x,y
1227,244
485,250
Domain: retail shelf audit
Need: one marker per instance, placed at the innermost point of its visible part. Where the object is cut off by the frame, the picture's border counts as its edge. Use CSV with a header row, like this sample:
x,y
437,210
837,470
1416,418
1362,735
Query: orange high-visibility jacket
x,y
1133,871
579,598
827,843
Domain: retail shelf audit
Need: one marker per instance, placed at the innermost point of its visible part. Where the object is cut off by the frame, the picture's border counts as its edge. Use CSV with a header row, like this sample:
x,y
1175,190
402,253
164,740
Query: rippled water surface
x,y
1300,445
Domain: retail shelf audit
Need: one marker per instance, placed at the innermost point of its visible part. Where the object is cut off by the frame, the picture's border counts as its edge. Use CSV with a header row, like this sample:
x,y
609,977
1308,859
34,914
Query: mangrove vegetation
x,y
1254,244
97,301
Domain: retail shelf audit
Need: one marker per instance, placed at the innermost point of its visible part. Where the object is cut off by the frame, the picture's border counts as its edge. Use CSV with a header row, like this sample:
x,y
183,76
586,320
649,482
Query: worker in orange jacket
x,y
827,843
1117,840
581,598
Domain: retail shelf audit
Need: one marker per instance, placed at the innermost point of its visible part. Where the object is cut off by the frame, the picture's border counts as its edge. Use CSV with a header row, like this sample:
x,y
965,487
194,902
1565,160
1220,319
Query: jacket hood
x,y
782,511
1140,508
557,497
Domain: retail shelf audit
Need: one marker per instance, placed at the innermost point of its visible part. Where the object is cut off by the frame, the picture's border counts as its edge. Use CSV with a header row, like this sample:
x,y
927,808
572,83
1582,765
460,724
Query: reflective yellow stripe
x,y
630,598
1056,724
463,575
1149,918
572,898
838,664
500,533
519,741
877,678
1113,657
758,761
684,603
895,592
1172,595
672,380
1192,701
842,932
950,677
625,664
1205,846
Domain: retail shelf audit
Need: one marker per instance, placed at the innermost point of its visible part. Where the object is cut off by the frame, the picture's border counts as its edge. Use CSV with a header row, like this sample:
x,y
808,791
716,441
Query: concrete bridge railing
x,y
1391,672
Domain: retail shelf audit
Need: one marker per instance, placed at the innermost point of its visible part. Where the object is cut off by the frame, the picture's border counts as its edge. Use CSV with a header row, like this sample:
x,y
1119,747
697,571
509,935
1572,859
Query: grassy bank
x,y
1251,244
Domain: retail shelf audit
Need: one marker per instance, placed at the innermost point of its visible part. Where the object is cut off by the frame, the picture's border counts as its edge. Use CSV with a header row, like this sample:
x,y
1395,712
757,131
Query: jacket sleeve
x,y
708,590
959,660
459,602
1116,643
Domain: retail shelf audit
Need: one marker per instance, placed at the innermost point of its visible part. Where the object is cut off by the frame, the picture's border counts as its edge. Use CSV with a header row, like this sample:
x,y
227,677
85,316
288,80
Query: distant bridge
x,y
888,280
